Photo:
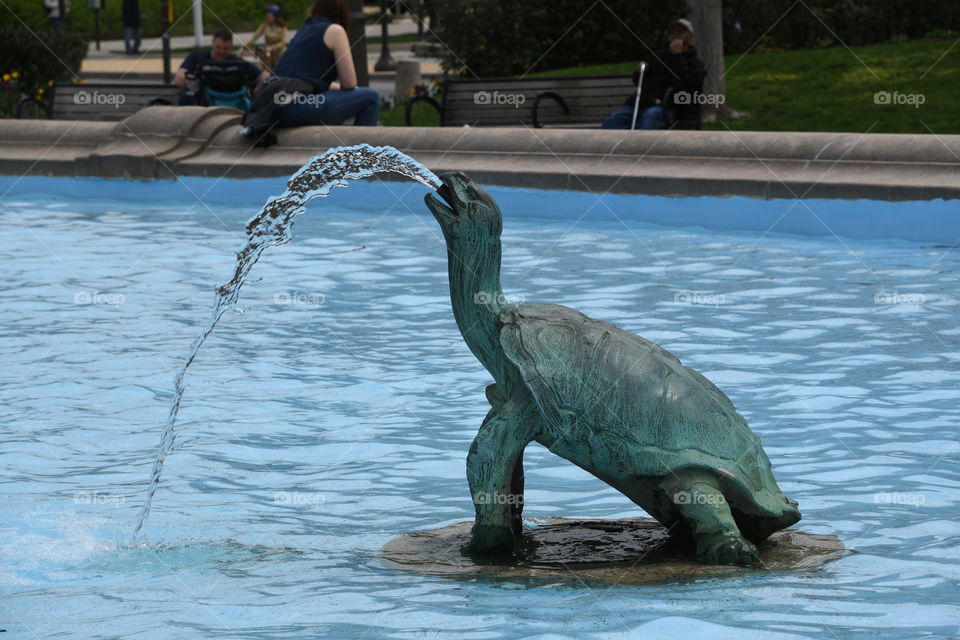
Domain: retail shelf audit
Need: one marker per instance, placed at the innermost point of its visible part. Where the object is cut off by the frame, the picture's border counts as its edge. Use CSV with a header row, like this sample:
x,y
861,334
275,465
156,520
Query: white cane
x,y
636,102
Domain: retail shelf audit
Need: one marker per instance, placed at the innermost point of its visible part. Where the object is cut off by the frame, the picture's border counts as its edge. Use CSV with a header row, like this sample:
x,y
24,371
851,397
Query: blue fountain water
x,y
336,413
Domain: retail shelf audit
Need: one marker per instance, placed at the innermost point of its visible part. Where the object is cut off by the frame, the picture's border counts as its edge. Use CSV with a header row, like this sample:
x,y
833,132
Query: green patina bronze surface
x,y
618,406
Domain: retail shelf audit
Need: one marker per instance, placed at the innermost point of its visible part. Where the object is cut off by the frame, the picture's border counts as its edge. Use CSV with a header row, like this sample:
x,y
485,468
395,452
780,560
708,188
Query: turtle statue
x,y
620,407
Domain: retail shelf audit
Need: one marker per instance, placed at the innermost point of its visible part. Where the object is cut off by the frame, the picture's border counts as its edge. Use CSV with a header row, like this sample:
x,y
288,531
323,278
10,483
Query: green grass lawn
x,y
404,38
829,89
423,115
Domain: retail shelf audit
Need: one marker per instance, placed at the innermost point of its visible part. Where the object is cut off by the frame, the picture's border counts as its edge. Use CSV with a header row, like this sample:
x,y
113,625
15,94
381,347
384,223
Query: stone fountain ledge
x,y
163,142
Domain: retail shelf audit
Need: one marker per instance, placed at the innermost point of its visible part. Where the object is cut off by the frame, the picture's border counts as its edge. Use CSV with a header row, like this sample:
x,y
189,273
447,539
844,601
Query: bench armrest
x,y
407,112
536,105
25,100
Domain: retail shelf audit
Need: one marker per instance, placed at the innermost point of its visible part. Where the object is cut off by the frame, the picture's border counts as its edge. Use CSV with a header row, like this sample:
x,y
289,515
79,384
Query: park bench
x,y
97,101
561,101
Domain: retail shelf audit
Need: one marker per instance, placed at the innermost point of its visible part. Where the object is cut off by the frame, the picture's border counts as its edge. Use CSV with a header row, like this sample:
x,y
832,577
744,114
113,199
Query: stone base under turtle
x,y
625,551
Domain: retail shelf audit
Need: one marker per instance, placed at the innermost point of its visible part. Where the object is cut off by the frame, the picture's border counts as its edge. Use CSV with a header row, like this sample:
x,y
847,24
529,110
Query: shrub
x,y
490,38
816,23
30,59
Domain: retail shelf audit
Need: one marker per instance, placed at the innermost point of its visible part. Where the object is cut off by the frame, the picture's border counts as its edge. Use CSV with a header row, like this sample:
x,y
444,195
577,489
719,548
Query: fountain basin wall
x,y
166,142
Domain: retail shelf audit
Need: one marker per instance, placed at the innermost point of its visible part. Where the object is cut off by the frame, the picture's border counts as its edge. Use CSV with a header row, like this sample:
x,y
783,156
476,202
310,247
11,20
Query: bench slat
x,y
589,98
99,101
578,102
585,98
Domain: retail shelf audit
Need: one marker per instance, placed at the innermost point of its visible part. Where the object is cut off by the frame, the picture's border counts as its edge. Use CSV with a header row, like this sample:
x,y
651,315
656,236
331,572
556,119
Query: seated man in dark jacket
x,y
671,85
221,52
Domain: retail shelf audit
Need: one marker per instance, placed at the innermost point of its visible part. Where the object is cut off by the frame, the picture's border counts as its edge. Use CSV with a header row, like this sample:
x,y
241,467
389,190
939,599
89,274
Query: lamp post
x,y
358,42
386,61
419,17
95,6
166,18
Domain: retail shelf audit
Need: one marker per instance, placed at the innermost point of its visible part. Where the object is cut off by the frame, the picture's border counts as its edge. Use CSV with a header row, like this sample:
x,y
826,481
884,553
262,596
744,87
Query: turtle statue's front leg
x,y
495,474
697,497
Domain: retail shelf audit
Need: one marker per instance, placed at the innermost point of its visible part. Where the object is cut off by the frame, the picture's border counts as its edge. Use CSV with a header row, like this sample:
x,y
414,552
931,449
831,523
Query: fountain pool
x,y
336,412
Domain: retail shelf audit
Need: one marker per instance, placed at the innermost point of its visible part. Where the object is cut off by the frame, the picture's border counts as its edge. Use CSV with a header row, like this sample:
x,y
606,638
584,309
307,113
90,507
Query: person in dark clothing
x,y
319,54
132,26
52,7
671,85
222,51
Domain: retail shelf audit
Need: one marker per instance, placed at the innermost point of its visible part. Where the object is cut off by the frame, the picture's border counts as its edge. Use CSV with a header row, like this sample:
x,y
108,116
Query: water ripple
x,y
336,412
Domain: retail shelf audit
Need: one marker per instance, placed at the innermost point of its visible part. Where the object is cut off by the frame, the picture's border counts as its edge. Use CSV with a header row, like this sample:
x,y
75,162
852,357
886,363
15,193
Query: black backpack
x,y
263,116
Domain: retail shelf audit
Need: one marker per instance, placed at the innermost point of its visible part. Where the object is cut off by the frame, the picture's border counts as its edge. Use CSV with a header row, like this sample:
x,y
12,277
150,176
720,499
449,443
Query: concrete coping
x,y
164,142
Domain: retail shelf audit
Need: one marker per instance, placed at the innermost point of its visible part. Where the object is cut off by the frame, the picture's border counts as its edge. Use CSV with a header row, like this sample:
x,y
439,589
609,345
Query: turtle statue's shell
x,y
632,404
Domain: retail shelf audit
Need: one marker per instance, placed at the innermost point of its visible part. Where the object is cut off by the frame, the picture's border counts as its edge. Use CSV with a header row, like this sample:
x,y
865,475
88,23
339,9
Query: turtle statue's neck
x,y
473,261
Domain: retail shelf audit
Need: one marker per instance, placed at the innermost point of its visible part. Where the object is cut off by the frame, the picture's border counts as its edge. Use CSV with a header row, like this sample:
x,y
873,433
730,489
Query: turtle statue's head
x,y
471,213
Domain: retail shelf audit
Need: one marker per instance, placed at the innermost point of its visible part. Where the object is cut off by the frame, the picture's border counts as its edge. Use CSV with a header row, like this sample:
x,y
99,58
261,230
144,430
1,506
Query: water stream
x,y
271,227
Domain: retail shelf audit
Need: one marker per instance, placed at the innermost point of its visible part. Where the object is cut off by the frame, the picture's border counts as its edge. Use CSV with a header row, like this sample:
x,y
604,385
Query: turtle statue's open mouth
x,y
444,192
450,193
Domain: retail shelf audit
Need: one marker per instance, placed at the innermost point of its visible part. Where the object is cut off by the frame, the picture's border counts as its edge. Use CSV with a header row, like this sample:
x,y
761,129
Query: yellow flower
x,y
16,74
49,83
39,91
6,77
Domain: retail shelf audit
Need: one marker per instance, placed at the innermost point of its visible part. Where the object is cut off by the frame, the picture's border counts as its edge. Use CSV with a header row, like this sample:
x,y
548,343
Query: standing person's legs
x,y
127,37
137,38
333,108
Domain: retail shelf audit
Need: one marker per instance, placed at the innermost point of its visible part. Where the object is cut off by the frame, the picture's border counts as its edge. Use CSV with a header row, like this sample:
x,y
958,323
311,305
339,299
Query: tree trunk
x,y
707,19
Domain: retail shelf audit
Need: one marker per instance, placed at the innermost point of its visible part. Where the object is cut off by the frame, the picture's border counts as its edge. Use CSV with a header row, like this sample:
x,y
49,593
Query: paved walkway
x,y
110,61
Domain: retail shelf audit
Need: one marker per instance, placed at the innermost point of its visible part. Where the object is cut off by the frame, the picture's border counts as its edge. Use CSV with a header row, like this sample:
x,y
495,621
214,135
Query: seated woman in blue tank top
x,y
320,54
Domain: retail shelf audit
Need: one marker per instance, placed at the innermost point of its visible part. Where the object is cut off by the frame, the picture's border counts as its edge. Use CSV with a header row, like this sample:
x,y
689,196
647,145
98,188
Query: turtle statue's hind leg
x,y
697,497
495,474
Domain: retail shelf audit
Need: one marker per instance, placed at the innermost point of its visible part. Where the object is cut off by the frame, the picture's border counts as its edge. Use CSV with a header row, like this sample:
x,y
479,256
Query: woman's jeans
x,y
332,107
650,118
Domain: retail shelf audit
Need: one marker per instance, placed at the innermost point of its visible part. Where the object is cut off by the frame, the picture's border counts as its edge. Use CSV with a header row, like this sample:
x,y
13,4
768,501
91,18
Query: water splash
x,y
272,227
